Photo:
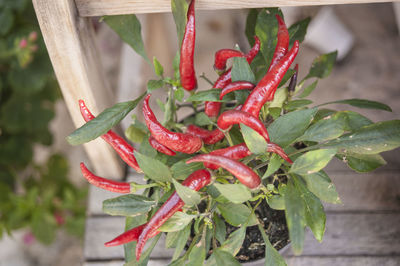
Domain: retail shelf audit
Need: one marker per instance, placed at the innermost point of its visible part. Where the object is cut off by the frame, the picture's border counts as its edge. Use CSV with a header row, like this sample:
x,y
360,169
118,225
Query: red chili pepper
x,y
234,86
208,137
186,65
231,117
221,56
293,79
195,181
265,89
110,185
282,44
212,108
159,147
182,142
124,150
241,151
129,236
241,171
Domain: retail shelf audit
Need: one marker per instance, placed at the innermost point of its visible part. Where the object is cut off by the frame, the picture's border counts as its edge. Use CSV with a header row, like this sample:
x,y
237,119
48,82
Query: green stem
x,y
228,138
309,148
203,76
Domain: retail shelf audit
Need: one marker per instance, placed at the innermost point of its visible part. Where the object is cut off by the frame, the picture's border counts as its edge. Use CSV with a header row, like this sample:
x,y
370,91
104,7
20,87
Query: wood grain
x,y
73,53
118,7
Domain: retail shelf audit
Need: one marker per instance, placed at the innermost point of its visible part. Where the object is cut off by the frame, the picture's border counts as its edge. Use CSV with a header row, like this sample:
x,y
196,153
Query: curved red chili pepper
x,y
195,181
129,236
221,56
186,64
241,151
234,86
123,148
231,117
110,185
182,142
212,108
282,44
241,171
208,137
293,79
265,89
161,148
236,152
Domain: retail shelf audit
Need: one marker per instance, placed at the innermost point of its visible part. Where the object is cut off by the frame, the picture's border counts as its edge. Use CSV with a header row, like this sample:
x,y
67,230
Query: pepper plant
x,y
253,141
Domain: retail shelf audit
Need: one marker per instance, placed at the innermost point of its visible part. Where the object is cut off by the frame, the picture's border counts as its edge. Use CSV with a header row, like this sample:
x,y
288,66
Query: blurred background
x,y
44,199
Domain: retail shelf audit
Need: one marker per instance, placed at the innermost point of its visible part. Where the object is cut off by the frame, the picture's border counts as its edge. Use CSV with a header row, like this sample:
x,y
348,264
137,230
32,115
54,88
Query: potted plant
x,y
246,169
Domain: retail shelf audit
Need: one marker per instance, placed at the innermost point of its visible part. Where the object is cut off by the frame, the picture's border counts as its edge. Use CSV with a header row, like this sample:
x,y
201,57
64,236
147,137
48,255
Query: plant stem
x,y
203,76
228,138
306,149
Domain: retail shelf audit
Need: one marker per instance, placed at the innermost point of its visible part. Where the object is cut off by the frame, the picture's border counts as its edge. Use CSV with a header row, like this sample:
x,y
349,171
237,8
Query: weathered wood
x,y
349,234
344,261
117,7
70,42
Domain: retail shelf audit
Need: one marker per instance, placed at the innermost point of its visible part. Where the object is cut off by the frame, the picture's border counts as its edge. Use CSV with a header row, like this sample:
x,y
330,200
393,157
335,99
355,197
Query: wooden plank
x,y
377,191
117,7
70,42
349,234
344,261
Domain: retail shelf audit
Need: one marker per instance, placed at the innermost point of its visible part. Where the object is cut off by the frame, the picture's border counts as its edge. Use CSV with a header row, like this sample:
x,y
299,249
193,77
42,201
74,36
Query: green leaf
x,y
182,239
294,211
225,258
235,241
128,205
251,25
6,21
220,228
177,222
135,134
179,93
362,162
236,193
274,164
129,30
279,99
241,70
198,254
321,186
371,139
181,170
103,122
158,68
209,95
309,89
202,119
312,161
189,196
153,85
29,80
146,149
362,103
298,30
355,120
254,141
267,30
153,168
277,202
43,226
322,66
314,211
325,129
179,11
272,256
236,214
287,128
296,104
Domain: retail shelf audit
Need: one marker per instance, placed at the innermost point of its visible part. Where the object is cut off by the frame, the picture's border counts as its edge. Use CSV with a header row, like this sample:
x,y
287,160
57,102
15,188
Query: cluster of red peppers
x,y
168,142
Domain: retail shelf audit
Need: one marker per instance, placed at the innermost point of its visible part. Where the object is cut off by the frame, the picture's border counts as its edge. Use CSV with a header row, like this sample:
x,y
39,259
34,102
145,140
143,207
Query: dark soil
x,y
274,223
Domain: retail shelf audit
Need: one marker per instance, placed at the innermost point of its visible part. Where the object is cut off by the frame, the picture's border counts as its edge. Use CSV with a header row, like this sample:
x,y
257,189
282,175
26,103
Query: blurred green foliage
x,y
36,196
